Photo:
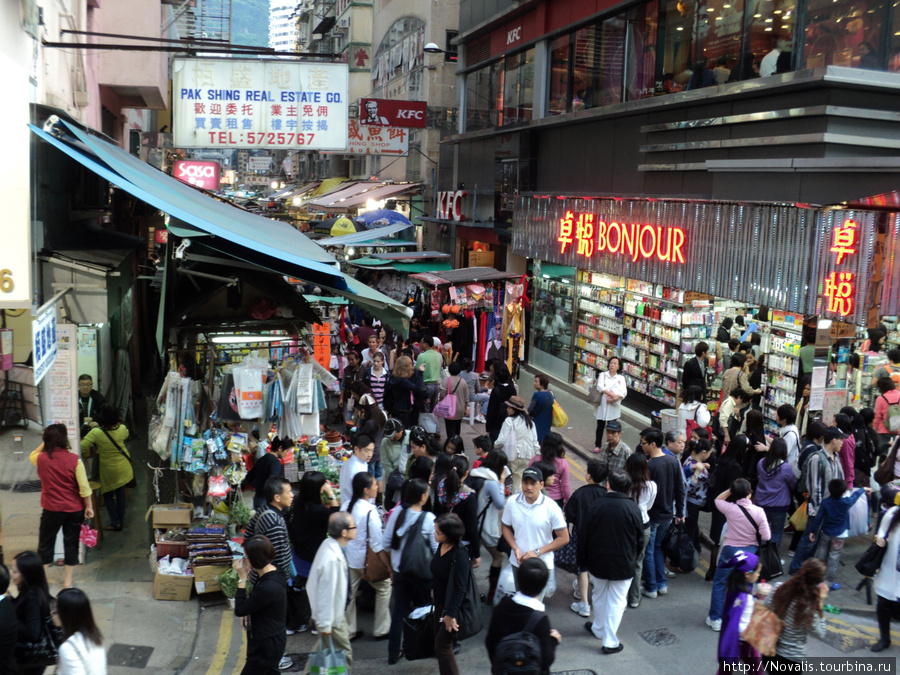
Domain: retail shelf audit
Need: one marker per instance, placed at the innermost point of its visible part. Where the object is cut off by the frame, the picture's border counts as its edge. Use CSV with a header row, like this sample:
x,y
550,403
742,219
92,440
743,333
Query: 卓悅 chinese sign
x,y
43,342
846,269
368,140
233,103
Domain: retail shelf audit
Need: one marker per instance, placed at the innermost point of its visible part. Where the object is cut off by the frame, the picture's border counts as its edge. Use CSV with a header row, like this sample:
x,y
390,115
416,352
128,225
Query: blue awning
x,y
272,244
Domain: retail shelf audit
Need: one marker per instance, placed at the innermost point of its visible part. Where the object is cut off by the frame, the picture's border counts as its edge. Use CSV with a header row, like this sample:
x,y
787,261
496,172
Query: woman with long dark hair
x,y
775,487
503,390
847,454
887,581
754,429
65,496
456,386
454,496
643,492
754,369
82,652
728,469
107,442
799,602
450,568
32,603
408,589
517,438
371,423
489,479
553,451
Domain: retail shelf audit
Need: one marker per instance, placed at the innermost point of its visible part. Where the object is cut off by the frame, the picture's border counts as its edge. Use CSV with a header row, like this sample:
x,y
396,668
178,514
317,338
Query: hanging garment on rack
x,y
309,423
473,319
482,341
304,377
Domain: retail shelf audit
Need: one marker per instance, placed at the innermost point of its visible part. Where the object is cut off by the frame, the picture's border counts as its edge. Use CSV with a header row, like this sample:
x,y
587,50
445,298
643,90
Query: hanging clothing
x,y
482,342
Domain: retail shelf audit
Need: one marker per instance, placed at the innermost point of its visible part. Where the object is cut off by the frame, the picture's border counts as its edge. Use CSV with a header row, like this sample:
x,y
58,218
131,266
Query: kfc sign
x,y
449,205
388,113
203,175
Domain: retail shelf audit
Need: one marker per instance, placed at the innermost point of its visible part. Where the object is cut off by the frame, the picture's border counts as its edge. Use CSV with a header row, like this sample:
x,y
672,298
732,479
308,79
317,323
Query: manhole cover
x,y
659,637
129,656
299,662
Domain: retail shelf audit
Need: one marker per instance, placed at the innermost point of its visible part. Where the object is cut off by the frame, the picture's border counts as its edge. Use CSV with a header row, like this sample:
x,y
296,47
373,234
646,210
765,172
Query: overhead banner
x,y
235,103
384,112
199,174
369,140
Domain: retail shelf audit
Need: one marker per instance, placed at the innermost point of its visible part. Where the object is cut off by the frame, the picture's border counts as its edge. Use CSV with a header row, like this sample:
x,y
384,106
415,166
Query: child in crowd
x,y
831,526
696,472
454,446
735,654
483,446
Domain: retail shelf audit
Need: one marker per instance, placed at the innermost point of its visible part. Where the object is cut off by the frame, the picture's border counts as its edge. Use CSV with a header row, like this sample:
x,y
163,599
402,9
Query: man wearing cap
x,y
615,452
823,467
529,521
610,552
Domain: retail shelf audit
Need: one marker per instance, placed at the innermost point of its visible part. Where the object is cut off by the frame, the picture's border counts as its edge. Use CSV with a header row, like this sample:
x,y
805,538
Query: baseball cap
x,y
614,425
534,474
833,432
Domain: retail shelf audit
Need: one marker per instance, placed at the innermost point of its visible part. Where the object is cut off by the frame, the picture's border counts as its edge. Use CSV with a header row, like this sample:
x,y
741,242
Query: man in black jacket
x,y
694,374
578,511
609,554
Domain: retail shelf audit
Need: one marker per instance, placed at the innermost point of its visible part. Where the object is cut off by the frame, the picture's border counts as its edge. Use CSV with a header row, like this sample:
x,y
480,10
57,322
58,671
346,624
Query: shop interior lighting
x,y
246,339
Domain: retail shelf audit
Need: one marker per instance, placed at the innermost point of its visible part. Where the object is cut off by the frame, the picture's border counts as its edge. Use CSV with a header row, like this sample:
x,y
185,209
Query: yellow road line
x,y
224,644
575,468
242,654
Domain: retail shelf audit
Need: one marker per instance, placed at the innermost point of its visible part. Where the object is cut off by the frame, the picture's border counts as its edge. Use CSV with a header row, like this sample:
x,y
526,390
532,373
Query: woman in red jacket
x,y
65,496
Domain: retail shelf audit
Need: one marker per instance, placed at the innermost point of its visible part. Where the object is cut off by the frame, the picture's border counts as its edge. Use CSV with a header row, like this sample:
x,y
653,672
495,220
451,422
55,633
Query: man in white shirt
x,y
529,521
363,449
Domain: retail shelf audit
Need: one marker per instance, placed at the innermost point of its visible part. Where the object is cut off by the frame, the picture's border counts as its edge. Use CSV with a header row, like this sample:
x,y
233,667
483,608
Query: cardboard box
x,y
481,258
175,587
171,515
206,577
174,549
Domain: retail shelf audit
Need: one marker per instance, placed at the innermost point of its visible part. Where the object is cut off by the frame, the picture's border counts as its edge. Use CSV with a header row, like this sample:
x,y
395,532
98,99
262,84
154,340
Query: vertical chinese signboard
x,y
233,103
44,346
846,266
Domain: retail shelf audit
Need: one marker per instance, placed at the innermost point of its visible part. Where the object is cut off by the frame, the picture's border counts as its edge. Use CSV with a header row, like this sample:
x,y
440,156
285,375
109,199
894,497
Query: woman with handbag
x,y
736,655
607,395
887,579
366,558
455,386
65,496
503,390
35,648
107,442
407,531
82,653
450,568
799,602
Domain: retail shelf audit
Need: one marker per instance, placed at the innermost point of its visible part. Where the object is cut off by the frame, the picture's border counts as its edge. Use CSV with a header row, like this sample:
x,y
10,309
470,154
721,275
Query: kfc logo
x,y
513,35
449,205
410,114
380,112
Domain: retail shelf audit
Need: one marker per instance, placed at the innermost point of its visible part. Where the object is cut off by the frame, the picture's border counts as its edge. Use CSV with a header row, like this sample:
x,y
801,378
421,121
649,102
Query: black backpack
x,y
520,653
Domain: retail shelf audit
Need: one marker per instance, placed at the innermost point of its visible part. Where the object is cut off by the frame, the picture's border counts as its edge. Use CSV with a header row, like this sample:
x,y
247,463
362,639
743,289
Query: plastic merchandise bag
x,y
506,584
218,486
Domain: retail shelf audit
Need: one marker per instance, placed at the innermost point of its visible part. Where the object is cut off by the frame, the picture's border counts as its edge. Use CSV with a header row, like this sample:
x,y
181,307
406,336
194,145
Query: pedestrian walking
x,y
430,362
541,406
643,492
266,607
727,470
888,398
266,467
371,423
403,387
32,605
376,378
612,388
353,372
107,443
9,626
369,535
82,651
329,584
743,519
450,569
553,452
363,449
887,580
529,522
609,552
65,497
487,481
775,486
577,511
523,613
615,451
394,454
517,438
696,471
503,389
477,394
454,496
830,526
736,655
411,587
799,602
456,386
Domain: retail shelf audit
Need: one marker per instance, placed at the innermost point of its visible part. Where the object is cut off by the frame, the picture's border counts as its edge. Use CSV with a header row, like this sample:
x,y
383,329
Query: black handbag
x,y
418,637
133,482
44,652
870,562
415,554
767,553
471,615
679,548
565,558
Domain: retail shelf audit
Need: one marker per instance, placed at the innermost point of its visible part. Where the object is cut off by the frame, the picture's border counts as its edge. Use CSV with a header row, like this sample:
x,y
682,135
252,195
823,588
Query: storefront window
x,y
640,60
769,38
483,102
518,88
718,42
677,27
894,60
552,319
846,33
599,53
560,94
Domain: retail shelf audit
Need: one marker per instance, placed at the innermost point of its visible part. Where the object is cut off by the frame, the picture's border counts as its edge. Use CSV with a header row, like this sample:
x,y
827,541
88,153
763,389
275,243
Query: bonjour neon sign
x,y
635,240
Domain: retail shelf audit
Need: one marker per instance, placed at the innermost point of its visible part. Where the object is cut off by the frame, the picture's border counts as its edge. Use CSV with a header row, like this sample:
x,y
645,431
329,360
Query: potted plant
x,y
228,582
239,515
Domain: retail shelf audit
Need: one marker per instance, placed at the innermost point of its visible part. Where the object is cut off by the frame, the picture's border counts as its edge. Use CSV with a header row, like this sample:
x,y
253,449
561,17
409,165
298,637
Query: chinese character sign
x,y
371,140
840,287
844,243
232,103
43,343
634,240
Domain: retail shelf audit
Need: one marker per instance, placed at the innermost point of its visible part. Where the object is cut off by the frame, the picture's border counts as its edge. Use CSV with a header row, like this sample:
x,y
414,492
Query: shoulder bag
x,y
44,652
378,563
471,615
133,482
594,395
871,560
767,553
764,630
415,553
446,408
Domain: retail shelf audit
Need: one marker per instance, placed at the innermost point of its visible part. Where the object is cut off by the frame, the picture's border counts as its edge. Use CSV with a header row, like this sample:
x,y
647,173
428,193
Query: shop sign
x,y
243,103
449,205
259,163
840,287
43,343
391,113
203,175
161,236
633,240
371,140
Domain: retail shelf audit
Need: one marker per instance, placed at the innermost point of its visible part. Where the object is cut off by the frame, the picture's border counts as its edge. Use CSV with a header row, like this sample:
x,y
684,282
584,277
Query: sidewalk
x,y
139,631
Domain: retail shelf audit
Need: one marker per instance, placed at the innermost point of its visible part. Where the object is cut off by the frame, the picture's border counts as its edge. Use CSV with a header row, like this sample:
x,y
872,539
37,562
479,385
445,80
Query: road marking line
x,y
576,469
223,646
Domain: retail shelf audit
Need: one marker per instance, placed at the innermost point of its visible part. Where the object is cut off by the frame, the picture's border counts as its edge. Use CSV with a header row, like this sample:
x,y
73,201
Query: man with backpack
x,y
519,639
887,410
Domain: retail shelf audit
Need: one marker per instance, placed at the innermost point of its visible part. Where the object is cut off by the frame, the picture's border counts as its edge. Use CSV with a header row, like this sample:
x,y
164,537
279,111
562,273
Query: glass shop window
x,y
597,64
677,26
518,88
718,42
560,92
484,102
769,40
640,59
844,33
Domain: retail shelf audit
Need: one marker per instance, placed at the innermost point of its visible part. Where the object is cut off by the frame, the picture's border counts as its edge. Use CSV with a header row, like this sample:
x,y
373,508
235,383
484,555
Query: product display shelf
x,y
782,371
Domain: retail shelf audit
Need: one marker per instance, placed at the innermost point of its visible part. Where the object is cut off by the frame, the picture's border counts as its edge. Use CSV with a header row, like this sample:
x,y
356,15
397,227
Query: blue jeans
x,y
776,524
720,581
655,559
115,505
805,550
376,469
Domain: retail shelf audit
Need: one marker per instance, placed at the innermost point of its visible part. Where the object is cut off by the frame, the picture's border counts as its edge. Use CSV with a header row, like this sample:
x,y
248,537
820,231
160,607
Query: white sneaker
x,y
715,624
285,663
581,608
480,419
575,592
648,594
662,590
634,605
670,574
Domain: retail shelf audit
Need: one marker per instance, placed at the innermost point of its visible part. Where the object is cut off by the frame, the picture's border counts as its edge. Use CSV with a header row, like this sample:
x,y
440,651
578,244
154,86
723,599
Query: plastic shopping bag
x,y
328,661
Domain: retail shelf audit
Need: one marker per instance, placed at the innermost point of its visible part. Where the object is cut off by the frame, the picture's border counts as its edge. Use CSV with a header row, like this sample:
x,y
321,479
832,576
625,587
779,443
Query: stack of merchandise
x,y
209,554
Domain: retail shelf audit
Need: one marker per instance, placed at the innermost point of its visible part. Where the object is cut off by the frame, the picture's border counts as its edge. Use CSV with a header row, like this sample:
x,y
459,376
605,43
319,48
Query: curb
x,y
191,627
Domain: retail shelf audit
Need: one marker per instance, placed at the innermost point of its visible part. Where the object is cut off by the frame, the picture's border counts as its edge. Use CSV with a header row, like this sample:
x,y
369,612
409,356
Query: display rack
x,y
599,325
782,372
555,298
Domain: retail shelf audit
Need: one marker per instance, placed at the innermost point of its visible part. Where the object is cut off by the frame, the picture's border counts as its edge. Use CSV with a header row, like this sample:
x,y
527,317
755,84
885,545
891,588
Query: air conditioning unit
x,y
343,23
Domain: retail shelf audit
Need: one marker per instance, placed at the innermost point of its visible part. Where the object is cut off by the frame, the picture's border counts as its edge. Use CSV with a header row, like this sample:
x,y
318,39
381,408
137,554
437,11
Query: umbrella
x,y
381,218
343,226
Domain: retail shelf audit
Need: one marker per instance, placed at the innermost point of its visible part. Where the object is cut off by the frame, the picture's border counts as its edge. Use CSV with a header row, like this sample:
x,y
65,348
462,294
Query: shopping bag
x,y
88,535
471,615
560,419
564,558
799,519
764,630
428,422
446,407
328,661
859,515
418,636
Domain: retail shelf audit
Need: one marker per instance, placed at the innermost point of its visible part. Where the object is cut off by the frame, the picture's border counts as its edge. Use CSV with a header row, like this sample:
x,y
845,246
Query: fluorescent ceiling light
x,y
246,339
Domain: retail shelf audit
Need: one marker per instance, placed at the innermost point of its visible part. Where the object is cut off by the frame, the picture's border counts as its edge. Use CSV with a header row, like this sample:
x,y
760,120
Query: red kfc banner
x,y
387,113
